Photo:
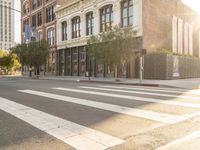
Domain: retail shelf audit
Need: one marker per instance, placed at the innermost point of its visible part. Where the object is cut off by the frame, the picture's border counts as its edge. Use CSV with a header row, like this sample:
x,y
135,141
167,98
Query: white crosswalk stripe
x,y
160,117
145,93
78,136
133,98
174,91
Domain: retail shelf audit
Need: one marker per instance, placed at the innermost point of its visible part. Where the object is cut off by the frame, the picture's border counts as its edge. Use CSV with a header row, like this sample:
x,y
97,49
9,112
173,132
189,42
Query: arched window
x,y
127,13
51,36
106,18
25,8
64,30
76,27
89,23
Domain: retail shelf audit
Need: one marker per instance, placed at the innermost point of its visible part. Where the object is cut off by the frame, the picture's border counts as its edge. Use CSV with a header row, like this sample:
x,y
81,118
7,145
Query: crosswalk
x,y
86,138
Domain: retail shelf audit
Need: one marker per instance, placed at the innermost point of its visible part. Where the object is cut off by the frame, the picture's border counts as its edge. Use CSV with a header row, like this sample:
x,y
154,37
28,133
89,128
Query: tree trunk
x,y
116,76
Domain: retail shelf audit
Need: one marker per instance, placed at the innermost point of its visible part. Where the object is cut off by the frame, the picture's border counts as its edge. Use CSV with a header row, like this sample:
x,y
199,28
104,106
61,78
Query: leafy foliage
x,y
113,47
33,54
8,62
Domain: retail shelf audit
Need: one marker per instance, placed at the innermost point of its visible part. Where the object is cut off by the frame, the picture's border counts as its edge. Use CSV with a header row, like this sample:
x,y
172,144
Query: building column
x,y
96,21
116,13
69,29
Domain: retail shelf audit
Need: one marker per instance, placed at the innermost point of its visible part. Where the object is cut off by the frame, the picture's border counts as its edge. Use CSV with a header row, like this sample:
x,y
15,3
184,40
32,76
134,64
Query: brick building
x,y
167,24
39,16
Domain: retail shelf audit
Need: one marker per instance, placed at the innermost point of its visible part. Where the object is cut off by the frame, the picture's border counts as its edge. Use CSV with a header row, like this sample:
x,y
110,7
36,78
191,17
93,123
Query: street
x,y
67,115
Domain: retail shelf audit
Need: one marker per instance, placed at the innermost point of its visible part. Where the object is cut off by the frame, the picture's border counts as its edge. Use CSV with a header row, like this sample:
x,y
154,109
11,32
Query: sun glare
x,y
195,4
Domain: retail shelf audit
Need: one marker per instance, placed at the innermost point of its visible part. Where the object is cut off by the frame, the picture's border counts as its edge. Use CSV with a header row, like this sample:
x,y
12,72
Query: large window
x,y
50,14
127,13
34,4
76,27
26,22
33,21
25,8
89,23
64,30
39,19
39,3
106,18
50,36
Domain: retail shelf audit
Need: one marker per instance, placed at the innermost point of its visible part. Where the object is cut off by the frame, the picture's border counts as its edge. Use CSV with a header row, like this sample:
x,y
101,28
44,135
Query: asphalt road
x,y
63,115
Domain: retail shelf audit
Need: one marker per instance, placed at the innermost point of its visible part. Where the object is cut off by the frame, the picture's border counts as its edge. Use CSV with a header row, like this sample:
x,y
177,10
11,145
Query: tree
x,y
38,54
8,62
21,51
34,54
114,47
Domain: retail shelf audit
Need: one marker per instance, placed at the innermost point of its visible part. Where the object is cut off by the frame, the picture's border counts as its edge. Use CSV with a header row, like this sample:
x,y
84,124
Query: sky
x,y
195,4
17,22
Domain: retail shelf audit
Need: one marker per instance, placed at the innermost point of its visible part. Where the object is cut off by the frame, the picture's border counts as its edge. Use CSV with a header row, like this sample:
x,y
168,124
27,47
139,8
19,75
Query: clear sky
x,y
17,22
195,4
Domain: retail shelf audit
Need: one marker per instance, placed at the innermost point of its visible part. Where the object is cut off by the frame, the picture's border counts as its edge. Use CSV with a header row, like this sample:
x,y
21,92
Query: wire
x,y
10,8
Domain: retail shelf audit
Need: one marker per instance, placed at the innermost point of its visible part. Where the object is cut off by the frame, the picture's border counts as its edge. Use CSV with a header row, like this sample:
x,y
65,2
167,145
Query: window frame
x,y
64,30
103,14
76,27
128,15
51,38
89,25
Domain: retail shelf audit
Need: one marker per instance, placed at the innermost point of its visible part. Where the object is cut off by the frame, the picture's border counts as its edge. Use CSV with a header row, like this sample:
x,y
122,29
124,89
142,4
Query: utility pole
x,y
11,8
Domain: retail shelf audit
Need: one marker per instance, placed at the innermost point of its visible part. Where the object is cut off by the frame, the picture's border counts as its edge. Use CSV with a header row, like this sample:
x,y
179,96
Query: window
x,y
106,18
89,23
25,8
50,36
64,30
26,22
76,27
49,14
34,4
127,13
39,19
39,3
34,21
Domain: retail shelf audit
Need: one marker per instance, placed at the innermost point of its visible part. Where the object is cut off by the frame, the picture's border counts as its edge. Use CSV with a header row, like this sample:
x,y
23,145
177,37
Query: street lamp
x,y
142,53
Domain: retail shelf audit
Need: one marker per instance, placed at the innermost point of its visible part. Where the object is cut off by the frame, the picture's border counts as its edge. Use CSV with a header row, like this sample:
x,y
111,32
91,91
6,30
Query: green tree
x,y
38,52
21,51
34,54
8,62
114,47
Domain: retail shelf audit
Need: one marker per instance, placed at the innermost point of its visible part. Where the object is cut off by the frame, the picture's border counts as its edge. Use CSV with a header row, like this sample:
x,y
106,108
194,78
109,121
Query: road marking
x,y
191,136
133,98
145,93
193,92
78,136
155,116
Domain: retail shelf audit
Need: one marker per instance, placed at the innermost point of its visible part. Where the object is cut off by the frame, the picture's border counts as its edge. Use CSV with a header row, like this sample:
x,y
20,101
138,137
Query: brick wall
x,y
157,23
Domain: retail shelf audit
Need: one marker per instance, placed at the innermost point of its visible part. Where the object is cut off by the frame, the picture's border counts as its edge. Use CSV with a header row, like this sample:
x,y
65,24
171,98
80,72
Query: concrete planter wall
x,y
167,67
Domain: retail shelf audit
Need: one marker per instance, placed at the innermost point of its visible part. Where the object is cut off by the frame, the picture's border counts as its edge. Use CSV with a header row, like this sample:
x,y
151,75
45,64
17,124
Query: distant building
x,y
38,23
167,24
6,24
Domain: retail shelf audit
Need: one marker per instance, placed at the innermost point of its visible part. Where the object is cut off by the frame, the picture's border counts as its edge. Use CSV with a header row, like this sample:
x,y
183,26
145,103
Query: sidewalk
x,y
181,83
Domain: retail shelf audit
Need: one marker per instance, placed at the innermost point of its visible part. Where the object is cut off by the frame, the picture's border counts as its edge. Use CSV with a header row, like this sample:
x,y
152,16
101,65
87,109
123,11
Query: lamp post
x,y
142,53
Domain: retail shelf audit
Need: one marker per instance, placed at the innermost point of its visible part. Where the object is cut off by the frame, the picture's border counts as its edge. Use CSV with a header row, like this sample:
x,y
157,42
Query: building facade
x,y
160,24
39,16
6,24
